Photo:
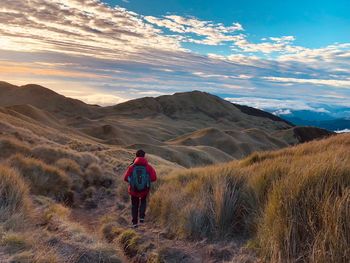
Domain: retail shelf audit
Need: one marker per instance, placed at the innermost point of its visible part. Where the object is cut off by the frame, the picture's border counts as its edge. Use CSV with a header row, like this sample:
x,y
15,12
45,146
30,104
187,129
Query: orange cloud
x,y
12,68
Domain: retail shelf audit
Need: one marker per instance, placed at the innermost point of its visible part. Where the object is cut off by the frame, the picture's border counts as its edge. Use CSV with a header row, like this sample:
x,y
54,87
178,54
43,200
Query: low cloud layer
x,y
114,54
277,106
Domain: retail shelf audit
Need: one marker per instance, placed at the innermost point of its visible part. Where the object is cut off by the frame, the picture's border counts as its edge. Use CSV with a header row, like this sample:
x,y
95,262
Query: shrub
x,y
129,240
55,211
12,146
68,165
15,243
171,254
110,231
206,206
122,191
23,257
263,176
73,170
45,255
294,204
94,175
50,155
100,253
43,179
306,216
89,192
14,197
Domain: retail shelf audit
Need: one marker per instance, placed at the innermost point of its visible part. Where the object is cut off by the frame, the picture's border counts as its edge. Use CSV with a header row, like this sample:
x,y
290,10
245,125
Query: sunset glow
x,y
114,48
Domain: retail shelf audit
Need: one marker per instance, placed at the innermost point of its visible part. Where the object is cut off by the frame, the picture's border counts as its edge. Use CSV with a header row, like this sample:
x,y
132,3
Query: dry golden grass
x,y
51,154
68,165
43,179
307,211
10,146
95,176
213,204
15,242
45,255
294,204
34,227
110,231
130,242
14,194
72,169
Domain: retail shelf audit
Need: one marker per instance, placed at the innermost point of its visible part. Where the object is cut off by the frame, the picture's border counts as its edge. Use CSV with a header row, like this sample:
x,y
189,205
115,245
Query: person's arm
x,y
128,173
152,173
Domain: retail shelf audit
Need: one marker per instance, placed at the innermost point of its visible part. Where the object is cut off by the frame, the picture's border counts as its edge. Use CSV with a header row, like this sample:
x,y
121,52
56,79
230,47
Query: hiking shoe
x,y
142,220
134,226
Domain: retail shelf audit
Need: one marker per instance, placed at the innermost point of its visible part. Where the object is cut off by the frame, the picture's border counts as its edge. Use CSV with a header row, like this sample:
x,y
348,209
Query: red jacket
x,y
141,161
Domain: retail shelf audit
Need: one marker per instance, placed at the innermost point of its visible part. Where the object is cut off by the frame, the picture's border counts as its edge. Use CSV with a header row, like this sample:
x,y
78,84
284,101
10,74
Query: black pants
x,y
136,207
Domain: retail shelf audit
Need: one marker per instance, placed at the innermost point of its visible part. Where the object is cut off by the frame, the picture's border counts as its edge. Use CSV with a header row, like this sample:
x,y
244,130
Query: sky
x,y
276,55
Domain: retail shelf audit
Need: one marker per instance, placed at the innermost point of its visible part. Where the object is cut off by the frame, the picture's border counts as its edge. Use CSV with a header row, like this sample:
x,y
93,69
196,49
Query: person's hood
x,y
141,161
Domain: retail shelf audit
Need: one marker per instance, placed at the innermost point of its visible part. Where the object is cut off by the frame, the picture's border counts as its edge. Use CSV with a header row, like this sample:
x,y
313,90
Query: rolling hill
x,y
198,125
62,161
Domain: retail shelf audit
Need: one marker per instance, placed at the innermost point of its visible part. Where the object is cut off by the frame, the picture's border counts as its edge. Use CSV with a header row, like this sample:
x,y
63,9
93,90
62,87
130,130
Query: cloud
x,y
99,99
343,131
282,112
79,27
324,82
211,33
272,44
330,53
45,69
278,106
124,55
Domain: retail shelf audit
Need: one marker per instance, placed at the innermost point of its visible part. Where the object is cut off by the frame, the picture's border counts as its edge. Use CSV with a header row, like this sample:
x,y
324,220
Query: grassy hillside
x,y
49,177
62,198
205,127
39,186
290,205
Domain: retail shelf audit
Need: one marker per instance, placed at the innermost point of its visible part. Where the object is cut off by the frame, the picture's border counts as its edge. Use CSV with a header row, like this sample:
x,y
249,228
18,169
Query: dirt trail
x,y
156,240
89,219
3,255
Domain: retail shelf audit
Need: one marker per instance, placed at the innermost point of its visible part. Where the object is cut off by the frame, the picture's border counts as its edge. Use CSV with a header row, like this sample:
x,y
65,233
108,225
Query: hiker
x,y
139,175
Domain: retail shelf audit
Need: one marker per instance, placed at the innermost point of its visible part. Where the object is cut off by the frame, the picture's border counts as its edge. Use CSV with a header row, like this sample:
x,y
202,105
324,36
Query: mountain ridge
x,y
197,124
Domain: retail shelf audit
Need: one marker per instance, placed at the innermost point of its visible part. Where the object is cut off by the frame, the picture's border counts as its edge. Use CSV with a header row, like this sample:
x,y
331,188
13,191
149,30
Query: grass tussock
x,y
73,170
294,204
14,195
95,176
110,231
10,146
55,211
100,253
42,178
169,254
130,242
68,165
306,215
219,205
51,154
15,242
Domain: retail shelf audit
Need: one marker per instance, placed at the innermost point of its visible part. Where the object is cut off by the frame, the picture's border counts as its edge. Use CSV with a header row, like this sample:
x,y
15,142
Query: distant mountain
x,y
332,124
186,104
42,98
331,117
189,128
